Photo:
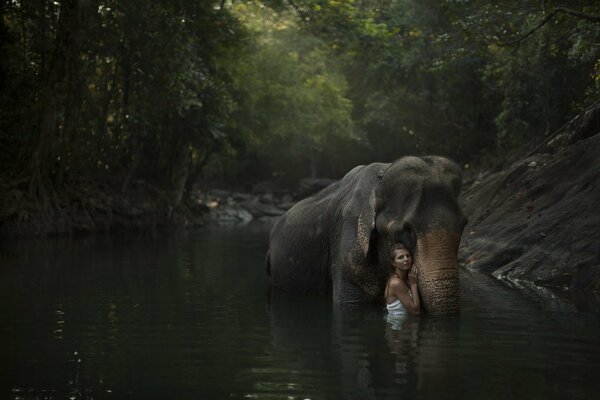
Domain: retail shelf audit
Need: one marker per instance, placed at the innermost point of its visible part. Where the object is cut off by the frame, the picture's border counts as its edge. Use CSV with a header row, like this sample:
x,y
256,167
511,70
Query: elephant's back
x,y
314,215
301,241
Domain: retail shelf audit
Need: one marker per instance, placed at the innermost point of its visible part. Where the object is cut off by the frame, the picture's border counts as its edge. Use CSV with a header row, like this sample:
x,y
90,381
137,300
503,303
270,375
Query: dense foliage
x,y
469,79
175,91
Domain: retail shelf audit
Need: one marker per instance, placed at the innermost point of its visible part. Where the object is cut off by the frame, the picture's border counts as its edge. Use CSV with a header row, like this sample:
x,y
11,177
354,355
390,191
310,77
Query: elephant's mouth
x,y
437,271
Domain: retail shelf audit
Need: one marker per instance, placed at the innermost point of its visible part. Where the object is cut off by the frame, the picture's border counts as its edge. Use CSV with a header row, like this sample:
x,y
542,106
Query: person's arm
x,y
402,293
414,289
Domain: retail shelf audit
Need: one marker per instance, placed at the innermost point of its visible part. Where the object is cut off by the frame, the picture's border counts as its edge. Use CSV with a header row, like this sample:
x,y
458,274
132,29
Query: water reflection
x,y
194,316
360,363
300,333
418,356
402,335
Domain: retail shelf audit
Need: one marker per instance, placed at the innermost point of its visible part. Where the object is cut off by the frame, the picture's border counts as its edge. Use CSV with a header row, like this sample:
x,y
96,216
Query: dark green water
x,y
192,317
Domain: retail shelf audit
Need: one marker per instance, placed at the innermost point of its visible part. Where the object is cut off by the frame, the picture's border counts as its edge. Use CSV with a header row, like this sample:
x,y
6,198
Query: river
x,y
192,316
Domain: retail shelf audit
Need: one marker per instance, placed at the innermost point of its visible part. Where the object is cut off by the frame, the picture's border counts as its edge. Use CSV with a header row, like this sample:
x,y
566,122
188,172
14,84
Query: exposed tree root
x,y
38,210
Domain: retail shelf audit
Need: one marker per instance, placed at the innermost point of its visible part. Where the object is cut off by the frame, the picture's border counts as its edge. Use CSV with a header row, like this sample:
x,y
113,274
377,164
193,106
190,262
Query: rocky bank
x,y
536,224
91,207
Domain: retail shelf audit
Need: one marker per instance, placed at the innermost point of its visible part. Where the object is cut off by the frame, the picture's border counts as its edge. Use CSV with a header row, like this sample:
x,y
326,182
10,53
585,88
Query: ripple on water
x,y
191,318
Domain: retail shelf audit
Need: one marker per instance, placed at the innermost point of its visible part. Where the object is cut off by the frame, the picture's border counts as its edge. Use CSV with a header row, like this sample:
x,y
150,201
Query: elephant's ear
x,y
365,227
357,238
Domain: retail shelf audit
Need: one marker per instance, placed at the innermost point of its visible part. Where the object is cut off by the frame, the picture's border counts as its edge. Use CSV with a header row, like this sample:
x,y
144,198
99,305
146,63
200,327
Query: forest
x,y
106,97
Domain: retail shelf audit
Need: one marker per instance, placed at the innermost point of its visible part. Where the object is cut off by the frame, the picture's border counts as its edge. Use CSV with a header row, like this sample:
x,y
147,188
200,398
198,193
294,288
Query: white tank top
x,y
395,308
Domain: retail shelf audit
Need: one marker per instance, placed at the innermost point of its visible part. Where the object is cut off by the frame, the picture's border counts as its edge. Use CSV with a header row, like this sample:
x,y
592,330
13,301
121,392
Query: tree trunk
x,y
196,171
74,84
136,156
52,98
179,174
135,142
110,82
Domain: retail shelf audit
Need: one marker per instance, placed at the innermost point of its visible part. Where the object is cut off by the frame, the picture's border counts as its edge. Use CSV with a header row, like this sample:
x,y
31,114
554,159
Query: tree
x,y
293,101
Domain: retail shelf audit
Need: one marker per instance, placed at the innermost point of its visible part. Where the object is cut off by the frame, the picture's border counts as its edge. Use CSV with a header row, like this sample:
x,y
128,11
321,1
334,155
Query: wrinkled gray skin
x,y
339,239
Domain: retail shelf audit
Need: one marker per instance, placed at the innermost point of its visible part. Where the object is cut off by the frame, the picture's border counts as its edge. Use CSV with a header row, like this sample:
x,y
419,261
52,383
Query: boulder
x,y
310,186
259,209
264,187
226,215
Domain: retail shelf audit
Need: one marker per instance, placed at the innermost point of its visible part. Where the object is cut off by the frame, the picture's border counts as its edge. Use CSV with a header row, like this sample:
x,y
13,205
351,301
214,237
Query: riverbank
x,y
535,223
90,207
531,224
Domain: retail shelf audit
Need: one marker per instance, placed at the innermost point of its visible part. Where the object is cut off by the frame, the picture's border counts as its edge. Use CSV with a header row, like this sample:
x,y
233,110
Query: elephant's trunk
x,y
437,271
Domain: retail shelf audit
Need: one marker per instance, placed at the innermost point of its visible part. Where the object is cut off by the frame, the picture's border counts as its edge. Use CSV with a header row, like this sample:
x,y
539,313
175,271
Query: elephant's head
x,y
416,203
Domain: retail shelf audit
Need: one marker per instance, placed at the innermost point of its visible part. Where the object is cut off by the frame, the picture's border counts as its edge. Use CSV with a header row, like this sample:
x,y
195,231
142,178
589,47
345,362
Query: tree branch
x,y
578,14
557,10
302,14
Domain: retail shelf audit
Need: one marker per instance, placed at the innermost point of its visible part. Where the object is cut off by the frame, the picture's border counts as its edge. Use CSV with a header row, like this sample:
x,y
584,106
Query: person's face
x,y
402,259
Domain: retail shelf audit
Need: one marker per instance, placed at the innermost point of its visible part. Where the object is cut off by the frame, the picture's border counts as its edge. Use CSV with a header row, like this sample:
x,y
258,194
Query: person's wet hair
x,y
399,246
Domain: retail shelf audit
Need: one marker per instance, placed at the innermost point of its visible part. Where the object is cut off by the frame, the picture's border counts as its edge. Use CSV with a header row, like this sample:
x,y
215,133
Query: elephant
x,y
338,241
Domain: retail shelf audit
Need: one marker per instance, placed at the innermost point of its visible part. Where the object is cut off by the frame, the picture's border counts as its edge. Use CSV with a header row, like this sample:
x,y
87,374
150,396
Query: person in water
x,y
401,293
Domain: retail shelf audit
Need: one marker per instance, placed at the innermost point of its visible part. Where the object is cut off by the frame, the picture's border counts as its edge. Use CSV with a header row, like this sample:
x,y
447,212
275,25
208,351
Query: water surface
x,y
192,316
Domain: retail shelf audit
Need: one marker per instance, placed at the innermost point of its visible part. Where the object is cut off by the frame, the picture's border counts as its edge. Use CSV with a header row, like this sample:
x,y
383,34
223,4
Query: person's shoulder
x,y
396,282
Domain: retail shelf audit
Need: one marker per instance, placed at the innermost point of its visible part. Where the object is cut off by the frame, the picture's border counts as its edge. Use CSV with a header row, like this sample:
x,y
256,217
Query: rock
x,y
226,215
198,208
287,202
259,209
538,220
233,208
310,186
286,205
219,195
267,198
264,187
241,197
